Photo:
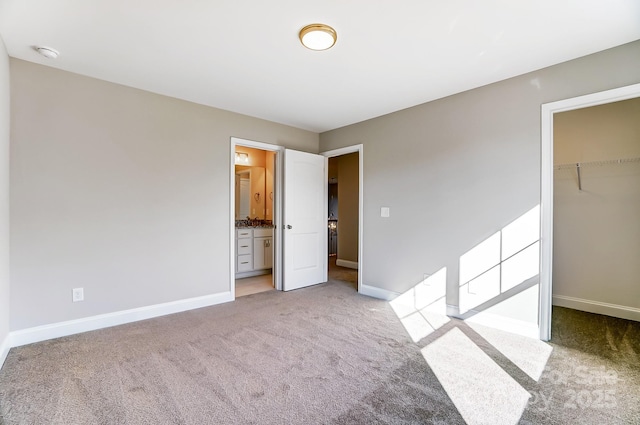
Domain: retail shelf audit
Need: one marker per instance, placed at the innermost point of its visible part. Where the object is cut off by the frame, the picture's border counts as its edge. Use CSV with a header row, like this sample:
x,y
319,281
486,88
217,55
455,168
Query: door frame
x,y
546,187
277,210
339,152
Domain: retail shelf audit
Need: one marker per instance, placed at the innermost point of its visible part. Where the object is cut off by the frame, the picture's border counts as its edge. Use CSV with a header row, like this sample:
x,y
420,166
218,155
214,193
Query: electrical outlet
x,y
78,294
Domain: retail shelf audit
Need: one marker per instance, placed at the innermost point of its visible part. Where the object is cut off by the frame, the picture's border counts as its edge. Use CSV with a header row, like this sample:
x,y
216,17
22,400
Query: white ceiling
x,y
244,55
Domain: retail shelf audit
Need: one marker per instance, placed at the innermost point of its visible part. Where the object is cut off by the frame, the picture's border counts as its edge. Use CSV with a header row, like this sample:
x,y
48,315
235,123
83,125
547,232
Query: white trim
x,y
614,310
325,208
453,310
546,187
56,330
232,216
375,292
507,324
277,210
546,225
4,349
343,151
347,263
278,214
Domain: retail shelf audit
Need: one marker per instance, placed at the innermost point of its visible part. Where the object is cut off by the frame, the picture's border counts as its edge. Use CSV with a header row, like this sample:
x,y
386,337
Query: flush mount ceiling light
x,y
318,37
47,52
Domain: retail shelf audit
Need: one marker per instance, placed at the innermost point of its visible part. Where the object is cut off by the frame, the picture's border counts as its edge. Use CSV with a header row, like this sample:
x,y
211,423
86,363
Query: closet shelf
x,y
579,165
595,163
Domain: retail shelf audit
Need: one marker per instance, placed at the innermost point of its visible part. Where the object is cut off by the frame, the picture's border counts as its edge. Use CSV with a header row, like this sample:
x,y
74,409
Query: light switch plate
x,y
78,294
384,212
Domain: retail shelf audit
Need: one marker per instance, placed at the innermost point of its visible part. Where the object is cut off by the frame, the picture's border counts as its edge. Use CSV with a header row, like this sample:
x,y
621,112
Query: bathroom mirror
x,y
250,192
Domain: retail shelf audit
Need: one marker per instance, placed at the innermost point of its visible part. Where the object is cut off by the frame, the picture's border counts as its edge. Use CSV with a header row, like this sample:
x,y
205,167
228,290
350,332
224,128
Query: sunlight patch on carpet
x,y
481,390
530,355
422,309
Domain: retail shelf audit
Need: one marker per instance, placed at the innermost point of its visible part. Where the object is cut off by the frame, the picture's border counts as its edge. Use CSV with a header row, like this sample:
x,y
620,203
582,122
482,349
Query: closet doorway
x,y
596,209
345,212
593,169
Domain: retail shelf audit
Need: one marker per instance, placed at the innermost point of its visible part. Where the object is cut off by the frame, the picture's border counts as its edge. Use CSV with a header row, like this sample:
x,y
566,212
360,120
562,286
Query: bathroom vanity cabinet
x,y
254,251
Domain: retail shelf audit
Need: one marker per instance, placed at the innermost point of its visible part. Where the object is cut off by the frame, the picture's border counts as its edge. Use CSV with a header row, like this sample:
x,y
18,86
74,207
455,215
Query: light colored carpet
x,y
318,355
305,357
342,274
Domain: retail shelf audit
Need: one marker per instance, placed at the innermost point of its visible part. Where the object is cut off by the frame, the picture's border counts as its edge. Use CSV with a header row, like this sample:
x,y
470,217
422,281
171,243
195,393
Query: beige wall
x,y
610,131
258,186
596,243
348,207
119,191
457,170
124,192
4,195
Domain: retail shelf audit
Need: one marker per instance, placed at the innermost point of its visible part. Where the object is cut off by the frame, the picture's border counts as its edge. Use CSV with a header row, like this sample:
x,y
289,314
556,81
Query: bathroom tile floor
x,y
254,285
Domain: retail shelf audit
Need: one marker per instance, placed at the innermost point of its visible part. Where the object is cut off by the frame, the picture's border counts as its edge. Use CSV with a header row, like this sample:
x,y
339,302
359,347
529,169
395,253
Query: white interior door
x,y
305,220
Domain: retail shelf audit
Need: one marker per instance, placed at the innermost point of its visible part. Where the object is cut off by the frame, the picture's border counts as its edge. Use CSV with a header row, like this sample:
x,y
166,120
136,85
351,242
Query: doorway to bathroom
x,y
254,186
296,249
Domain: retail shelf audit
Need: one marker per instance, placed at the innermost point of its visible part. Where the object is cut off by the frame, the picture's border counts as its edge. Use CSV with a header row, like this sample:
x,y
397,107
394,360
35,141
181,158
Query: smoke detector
x,y
47,52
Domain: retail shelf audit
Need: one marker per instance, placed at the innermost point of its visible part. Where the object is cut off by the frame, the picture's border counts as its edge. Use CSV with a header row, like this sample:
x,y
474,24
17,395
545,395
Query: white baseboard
x,y
453,310
375,292
614,310
347,263
5,346
56,330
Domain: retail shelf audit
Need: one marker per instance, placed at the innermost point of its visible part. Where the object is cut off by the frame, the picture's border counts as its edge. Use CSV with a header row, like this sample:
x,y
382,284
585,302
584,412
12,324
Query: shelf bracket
x,y
579,179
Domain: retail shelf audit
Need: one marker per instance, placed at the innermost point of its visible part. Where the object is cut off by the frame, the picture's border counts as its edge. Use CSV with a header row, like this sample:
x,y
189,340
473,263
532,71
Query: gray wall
x,y
4,193
348,207
119,191
457,170
596,244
